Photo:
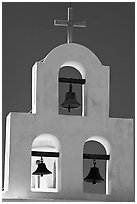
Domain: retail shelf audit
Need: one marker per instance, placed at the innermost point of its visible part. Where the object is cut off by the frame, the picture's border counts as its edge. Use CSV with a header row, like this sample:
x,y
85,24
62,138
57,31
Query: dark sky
x,y
28,35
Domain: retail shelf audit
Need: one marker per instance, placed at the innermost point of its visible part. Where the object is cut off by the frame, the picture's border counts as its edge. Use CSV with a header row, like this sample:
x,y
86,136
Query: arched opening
x,y
45,164
95,180
70,104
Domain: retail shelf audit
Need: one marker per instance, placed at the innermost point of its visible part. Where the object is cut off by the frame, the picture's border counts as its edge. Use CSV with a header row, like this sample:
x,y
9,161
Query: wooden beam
x,y
96,156
44,154
70,80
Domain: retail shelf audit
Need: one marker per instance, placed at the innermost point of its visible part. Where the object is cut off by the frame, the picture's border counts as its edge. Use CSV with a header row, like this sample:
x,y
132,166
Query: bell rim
x,y
43,173
41,170
74,107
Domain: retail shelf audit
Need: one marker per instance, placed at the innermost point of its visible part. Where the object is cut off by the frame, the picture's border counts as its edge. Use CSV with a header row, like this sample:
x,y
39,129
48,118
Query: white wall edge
x,y
34,86
7,153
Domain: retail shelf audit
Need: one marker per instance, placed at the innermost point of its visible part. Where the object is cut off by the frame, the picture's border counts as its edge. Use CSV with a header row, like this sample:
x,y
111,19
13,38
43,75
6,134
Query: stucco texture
x,y
72,132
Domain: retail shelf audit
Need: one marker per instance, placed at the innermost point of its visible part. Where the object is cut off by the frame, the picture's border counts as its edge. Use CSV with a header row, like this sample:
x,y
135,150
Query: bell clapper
x,y
70,87
41,159
38,181
70,90
68,108
94,162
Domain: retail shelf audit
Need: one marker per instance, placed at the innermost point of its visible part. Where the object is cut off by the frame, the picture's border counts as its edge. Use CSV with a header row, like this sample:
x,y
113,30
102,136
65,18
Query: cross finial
x,y
69,23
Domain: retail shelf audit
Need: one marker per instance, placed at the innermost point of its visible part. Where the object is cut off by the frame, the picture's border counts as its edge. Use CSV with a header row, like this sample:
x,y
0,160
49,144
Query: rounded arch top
x,y
47,141
76,65
102,141
78,50
94,147
86,63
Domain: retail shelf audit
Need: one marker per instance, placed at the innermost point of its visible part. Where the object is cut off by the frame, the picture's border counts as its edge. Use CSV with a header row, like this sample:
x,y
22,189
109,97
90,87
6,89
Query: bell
x,y
42,169
94,175
70,100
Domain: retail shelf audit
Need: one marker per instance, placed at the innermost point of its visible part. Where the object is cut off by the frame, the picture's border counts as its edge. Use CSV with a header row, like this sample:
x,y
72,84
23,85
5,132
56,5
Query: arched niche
x,y
49,147
72,70
77,65
96,145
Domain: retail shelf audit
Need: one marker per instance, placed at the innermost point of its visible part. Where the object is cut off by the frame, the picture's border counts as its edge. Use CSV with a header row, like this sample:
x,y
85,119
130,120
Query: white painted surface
x,y
34,86
7,154
72,132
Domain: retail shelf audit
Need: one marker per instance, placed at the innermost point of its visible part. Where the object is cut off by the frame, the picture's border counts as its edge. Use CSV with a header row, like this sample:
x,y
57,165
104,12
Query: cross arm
x,y
80,24
60,22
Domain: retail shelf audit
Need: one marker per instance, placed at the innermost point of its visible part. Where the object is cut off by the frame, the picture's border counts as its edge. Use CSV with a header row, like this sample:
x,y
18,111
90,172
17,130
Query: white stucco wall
x,y
72,132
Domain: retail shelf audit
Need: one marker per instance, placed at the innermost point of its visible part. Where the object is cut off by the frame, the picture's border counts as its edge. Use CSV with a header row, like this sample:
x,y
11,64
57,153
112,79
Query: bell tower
x,y
69,148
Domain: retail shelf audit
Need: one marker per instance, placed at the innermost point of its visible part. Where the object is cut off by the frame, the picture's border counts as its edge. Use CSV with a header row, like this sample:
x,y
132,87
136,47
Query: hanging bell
x,y
70,100
42,169
94,175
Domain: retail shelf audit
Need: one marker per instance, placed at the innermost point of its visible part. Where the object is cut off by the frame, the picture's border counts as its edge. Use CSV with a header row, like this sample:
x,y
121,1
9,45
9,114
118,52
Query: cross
x,y
69,23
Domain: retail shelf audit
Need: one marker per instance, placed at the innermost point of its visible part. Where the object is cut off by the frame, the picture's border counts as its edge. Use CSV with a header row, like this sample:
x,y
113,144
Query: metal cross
x,y
70,24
